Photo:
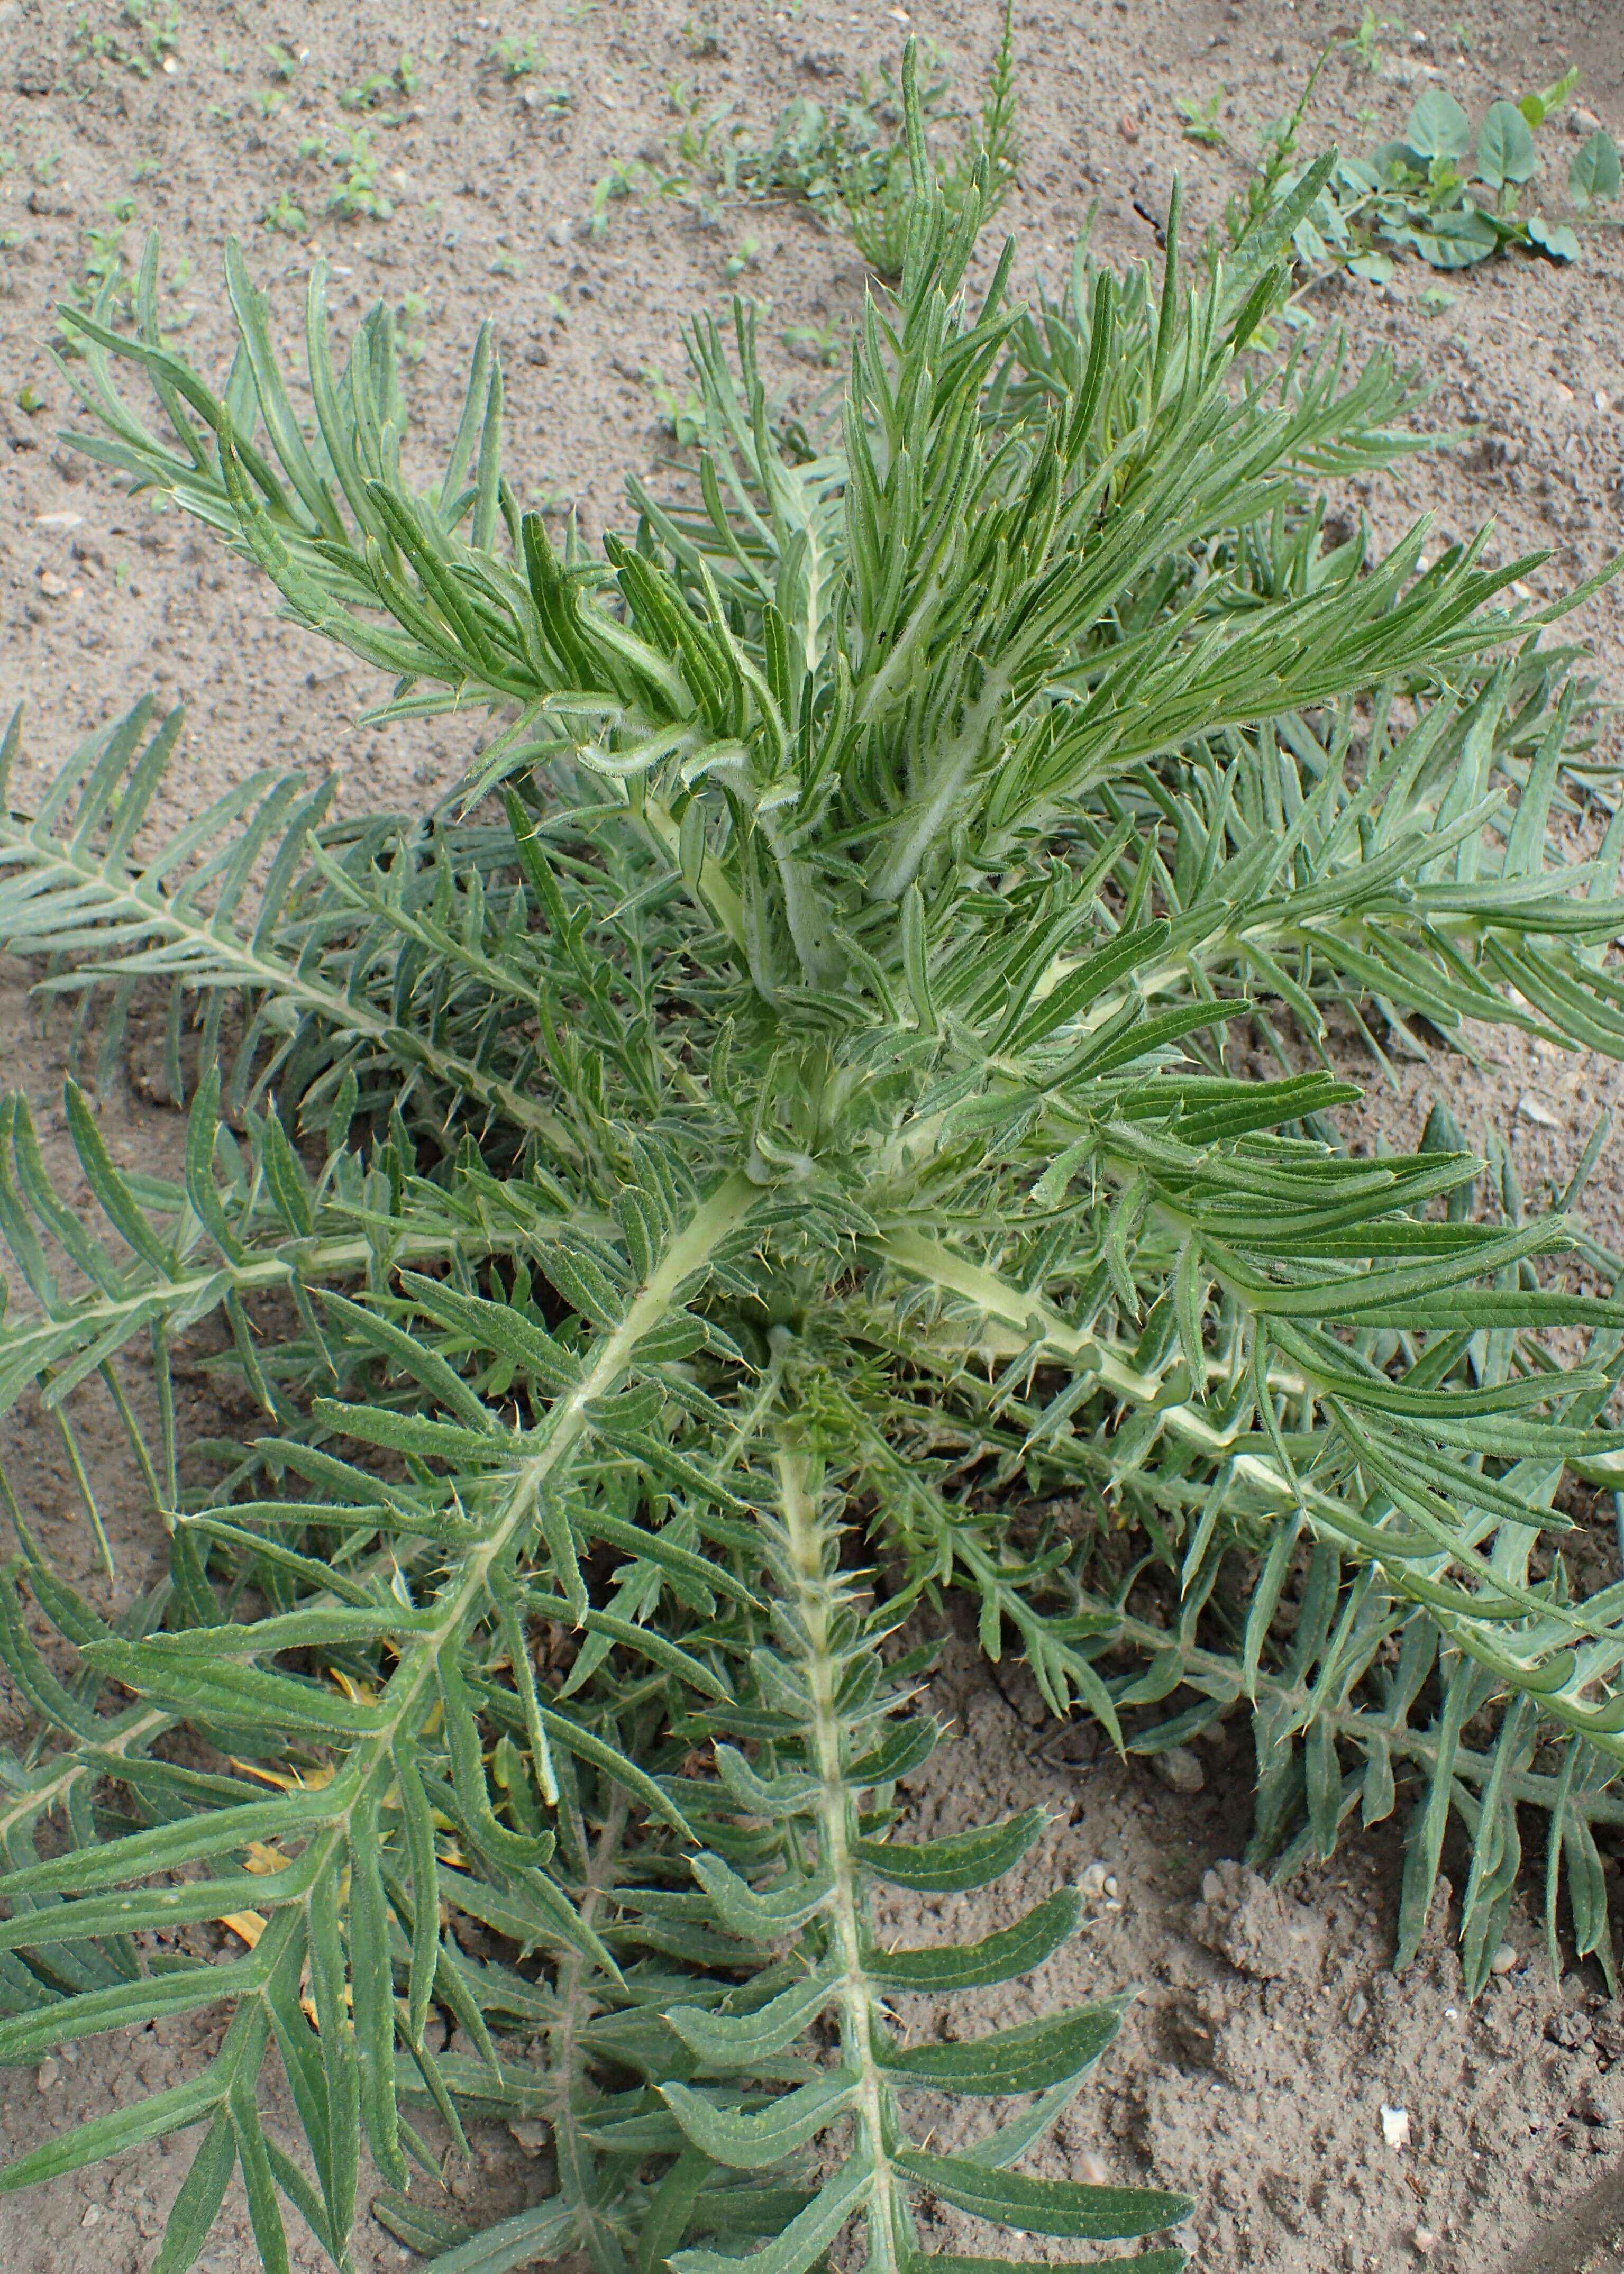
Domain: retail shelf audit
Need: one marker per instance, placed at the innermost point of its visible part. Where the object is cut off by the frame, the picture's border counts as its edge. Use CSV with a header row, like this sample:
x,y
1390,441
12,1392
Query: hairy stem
x,y
800,1486
573,2092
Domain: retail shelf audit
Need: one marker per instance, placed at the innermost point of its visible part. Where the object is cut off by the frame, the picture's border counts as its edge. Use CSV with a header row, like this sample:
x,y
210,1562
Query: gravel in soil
x,y
1268,2038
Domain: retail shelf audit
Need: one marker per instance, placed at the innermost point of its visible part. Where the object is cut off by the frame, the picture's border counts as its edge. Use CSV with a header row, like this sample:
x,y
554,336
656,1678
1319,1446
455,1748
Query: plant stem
x,y
800,1484
573,2091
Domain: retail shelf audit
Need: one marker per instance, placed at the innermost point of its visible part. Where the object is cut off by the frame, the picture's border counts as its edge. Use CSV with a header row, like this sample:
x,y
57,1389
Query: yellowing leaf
x,y
249,1924
263,1857
287,1780
359,1693
265,1776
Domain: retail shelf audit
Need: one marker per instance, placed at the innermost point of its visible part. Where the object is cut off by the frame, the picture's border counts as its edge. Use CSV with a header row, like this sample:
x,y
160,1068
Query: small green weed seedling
x,y
143,39
356,161
641,181
517,57
379,88
1363,46
105,289
702,146
695,157
681,416
358,192
1200,119
411,319
286,215
521,60
824,343
701,35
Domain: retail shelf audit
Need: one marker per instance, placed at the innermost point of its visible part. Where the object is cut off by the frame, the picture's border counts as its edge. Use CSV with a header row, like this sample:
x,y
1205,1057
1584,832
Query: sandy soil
x,y
1261,2093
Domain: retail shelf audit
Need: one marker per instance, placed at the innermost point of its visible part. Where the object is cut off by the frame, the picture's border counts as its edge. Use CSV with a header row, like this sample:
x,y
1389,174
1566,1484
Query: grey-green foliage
x,y
792,1096
843,162
1450,194
847,162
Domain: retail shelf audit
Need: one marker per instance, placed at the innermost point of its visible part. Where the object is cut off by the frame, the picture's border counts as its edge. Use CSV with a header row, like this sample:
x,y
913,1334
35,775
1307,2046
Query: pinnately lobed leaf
x,y
798,1091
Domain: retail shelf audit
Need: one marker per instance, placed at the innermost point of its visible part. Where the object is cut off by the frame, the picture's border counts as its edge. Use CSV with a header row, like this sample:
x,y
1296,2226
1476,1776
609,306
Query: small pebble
x,y
1111,1889
1091,2171
1504,1959
46,2074
1424,2241
1179,1769
1358,2005
51,585
1092,1882
1395,2127
1535,1109
1127,126
93,2215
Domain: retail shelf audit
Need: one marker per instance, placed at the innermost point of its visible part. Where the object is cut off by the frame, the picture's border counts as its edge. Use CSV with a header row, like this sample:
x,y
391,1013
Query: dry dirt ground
x,y
1260,2092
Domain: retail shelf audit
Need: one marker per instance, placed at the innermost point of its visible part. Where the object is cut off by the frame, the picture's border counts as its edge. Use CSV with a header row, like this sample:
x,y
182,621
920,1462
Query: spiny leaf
x,y
1059,2207
1028,2058
959,1860
997,1957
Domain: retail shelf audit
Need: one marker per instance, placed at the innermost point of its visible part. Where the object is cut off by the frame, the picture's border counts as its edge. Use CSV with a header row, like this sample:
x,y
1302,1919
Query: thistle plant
x,y
763,1158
